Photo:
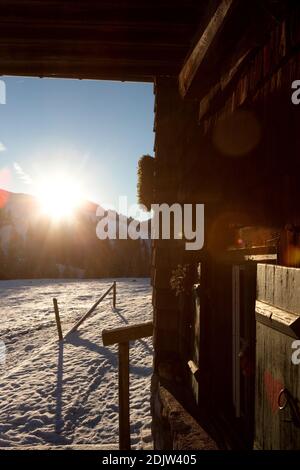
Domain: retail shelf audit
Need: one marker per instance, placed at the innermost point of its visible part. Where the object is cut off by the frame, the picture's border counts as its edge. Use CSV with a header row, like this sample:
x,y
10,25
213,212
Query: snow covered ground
x,y
67,393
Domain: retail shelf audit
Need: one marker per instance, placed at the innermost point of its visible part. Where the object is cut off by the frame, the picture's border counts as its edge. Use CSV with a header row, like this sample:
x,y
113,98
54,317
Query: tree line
x,y
68,250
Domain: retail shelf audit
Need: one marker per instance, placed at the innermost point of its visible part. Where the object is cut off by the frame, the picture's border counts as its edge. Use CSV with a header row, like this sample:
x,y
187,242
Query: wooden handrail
x,y
127,333
122,336
87,314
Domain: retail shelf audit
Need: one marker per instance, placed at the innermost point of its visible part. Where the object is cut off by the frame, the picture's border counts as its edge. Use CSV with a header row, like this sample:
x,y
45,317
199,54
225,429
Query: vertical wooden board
x,y
250,335
259,436
273,382
261,282
114,294
287,289
196,327
267,429
295,292
274,371
280,287
269,279
289,433
195,335
276,285
124,420
274,428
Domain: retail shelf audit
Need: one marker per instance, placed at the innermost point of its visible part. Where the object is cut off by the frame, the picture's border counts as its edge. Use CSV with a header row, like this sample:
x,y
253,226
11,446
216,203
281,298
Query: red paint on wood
x,y
272,388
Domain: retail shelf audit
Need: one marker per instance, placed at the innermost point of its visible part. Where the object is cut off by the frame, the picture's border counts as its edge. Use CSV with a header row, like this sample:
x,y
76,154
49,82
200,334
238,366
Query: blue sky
x,y
92,131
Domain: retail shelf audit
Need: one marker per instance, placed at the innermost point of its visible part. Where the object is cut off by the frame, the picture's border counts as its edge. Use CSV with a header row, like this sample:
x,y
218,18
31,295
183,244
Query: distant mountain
x,y
31,245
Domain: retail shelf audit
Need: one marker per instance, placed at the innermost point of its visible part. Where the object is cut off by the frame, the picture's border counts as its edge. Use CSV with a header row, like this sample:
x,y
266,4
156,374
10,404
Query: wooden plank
x,y
164,299
261,258
57,318
114,294
277,326
127,333
87,314
104,4
274,429
124,419
279,286
281,320
89,50
209,102
261,284
96,12
101,70
176,34
191,68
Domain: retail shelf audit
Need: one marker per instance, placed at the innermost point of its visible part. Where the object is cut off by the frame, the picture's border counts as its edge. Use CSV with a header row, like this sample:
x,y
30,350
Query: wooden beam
x,y
92,50
127,333
124,417
113,70
210,100
281,320
191,69
98,12
116,32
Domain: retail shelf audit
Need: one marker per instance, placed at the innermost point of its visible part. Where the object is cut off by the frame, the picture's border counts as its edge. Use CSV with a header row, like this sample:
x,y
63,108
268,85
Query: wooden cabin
x,y
226,135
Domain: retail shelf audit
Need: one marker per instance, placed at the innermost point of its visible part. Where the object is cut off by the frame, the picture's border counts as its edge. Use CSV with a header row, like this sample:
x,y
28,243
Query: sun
x,y
59,197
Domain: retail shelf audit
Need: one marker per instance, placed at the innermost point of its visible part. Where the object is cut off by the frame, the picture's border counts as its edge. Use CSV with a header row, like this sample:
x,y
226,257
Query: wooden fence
x,y
112,288
122,336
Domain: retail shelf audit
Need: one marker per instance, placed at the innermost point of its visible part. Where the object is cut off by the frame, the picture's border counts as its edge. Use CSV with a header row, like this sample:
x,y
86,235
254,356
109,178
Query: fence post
x,y
59,330
124,423
114,294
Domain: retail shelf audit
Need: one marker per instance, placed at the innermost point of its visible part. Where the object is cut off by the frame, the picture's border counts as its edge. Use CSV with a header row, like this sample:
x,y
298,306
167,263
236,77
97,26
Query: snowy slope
x,y
67,394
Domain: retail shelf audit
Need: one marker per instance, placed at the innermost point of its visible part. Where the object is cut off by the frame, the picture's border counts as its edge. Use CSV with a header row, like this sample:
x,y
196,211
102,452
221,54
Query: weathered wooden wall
x,y
175,125
255,109
238,156
278,321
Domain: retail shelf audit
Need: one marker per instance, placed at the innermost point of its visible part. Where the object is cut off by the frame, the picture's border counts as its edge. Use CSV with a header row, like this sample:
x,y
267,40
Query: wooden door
x,y
277,389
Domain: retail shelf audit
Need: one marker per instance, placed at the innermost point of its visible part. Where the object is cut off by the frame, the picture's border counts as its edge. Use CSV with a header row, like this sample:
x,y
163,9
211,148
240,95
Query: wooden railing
x,y
122,336
113,288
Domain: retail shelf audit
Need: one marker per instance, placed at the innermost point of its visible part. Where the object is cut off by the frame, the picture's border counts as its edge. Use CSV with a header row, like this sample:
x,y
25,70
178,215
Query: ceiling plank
x,y
137,71
175,35
24,11
107,39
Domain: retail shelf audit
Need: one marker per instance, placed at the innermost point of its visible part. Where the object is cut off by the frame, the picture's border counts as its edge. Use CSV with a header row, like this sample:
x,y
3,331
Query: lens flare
x,y
59,198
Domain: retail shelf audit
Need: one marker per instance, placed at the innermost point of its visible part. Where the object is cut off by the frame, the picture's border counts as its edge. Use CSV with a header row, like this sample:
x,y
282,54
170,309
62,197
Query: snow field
x,y
64,394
